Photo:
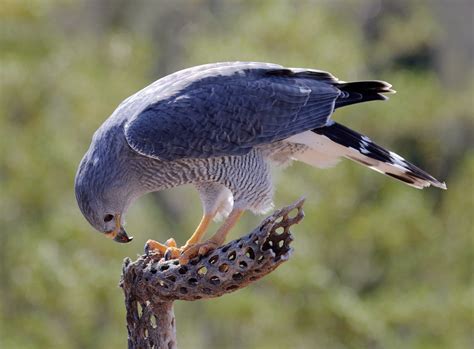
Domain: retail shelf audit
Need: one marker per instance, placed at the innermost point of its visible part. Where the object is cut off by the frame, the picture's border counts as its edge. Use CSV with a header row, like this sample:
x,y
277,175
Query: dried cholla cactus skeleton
x,y
151,283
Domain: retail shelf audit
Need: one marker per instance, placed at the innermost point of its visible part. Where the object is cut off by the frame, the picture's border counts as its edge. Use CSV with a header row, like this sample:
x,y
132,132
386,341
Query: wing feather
x,y
215,113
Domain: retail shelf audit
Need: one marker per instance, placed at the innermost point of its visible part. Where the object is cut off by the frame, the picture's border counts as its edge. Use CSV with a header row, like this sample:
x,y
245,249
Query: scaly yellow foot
x,y
172,252
191,251
192,247
167,249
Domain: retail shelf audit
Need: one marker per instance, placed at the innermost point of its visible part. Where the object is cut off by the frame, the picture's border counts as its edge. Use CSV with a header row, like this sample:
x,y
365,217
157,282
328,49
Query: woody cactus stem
x,y
151,284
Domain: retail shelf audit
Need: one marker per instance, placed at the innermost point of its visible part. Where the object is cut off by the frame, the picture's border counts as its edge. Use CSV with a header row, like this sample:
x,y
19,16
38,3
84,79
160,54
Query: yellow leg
x,y
215,241
200,230
221,234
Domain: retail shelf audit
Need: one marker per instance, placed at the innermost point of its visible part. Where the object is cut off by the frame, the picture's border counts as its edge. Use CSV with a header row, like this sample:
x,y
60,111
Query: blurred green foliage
x,y
376,265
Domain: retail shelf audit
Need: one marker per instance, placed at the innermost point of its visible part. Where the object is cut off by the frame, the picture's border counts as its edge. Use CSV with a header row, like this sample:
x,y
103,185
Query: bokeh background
x,y
377,264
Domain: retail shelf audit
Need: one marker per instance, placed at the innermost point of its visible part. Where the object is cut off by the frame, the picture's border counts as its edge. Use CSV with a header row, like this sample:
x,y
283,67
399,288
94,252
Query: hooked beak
x,y
118,234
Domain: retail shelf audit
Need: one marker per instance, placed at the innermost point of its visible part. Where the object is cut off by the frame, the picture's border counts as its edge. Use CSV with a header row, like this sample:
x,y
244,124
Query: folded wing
x,y
231,109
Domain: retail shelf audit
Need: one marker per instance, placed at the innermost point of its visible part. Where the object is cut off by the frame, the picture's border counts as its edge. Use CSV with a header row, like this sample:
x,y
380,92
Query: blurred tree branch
x,y
151,284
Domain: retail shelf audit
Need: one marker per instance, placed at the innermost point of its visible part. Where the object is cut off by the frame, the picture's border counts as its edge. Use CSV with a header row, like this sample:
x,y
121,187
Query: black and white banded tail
x,y
359,148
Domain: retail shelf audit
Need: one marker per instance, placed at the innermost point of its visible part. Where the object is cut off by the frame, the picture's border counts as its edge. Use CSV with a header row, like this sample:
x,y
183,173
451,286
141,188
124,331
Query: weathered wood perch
x,y
151,284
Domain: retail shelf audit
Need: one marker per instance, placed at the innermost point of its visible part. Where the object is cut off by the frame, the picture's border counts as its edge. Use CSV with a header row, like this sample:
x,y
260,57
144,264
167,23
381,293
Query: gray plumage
x,y
220,127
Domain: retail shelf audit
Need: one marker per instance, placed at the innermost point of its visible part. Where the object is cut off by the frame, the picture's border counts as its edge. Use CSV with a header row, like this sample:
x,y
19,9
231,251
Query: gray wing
x,y
227,112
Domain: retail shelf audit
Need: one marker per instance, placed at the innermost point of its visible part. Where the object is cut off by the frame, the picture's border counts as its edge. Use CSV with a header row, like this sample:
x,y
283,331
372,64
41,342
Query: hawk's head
x,y
102,202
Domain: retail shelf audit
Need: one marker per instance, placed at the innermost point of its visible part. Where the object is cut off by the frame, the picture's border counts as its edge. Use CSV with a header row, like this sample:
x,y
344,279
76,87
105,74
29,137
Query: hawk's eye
x,y
108,217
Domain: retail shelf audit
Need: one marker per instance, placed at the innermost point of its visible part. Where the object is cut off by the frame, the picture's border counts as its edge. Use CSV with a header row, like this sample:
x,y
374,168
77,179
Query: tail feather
x,y
361,149
362,91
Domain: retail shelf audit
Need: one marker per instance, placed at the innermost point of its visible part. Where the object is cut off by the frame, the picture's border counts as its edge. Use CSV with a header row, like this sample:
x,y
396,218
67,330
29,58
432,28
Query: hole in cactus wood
x,y
202,271
237,277
250,253
215,280
223,268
